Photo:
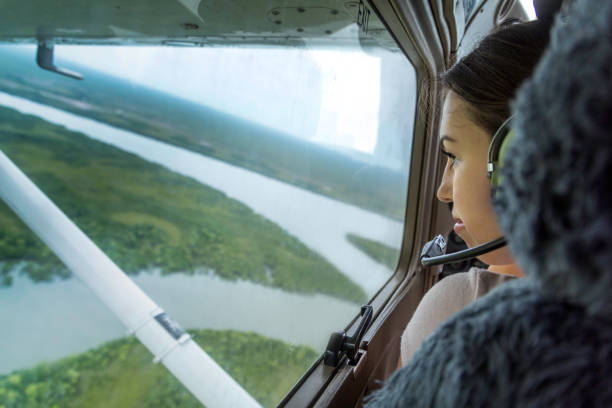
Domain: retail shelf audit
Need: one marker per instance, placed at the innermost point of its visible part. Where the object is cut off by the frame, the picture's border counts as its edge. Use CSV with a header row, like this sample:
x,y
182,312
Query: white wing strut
x,y
166,340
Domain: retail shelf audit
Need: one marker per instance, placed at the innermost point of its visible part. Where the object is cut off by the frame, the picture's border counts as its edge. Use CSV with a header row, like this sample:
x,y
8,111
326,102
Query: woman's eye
x,y
451,157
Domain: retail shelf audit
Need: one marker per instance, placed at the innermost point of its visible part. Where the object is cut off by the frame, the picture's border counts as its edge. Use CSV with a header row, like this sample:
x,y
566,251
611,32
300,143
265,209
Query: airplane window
x,y
255,192
529,9
470,8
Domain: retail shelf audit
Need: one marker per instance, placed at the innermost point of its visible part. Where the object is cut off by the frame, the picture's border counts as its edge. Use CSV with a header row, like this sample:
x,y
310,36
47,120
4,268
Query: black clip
x,y
435,247
341,344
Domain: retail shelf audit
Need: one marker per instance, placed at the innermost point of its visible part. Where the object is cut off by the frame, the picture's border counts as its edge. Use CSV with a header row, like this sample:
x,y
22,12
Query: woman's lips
x,y
458,226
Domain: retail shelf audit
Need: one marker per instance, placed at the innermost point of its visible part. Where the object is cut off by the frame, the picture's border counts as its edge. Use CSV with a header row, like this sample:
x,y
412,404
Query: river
x,y
60,311
47,321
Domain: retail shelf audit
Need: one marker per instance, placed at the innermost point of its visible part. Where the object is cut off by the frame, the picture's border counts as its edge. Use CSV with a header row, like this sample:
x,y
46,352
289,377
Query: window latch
x,y
340,343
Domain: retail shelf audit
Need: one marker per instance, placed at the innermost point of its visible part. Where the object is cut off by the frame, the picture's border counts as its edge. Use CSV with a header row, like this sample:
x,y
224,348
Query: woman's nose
x,y
445,191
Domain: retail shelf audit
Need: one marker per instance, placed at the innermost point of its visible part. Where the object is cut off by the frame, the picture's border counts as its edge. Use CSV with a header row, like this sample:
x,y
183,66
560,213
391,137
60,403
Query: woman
x,y
478,91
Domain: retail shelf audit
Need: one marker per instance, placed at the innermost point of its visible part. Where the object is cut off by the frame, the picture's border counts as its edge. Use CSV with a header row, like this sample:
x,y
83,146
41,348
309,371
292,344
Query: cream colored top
x,y
443,300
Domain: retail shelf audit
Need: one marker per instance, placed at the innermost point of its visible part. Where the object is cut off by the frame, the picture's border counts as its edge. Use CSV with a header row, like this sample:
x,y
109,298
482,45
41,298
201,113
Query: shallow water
x,y
47,321
319,222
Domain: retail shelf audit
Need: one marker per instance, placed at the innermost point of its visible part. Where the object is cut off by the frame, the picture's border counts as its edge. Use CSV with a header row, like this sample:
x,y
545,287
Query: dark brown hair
x,y
489,77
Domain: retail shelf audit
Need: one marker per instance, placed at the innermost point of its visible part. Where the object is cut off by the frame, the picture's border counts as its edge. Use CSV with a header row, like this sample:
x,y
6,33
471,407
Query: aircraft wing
x,y
186,22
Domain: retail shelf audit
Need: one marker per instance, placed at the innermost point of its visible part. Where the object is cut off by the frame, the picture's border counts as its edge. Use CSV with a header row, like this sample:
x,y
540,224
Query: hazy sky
x,y
326,96
528,7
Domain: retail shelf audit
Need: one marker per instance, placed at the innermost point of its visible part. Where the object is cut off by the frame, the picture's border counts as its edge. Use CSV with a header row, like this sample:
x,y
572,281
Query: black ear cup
x,y
497,149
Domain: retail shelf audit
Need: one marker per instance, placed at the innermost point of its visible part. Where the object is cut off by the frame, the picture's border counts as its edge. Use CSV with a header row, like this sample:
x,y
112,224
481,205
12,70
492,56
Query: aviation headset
x,y
433,252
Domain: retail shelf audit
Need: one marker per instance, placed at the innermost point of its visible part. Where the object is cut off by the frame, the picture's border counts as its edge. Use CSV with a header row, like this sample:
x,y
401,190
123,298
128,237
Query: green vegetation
x,y
381,253
144,216
176,121
120,374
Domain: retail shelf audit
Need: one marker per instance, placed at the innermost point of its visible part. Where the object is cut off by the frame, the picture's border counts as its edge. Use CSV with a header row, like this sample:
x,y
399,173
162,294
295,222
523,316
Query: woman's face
x,y
465,182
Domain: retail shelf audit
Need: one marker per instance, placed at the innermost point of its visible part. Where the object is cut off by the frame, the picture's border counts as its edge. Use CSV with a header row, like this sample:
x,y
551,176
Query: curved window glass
x,y
254,190
469,8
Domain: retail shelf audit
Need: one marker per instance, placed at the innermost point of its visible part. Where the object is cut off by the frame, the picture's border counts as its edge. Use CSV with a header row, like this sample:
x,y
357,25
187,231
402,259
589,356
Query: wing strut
x,y
168,342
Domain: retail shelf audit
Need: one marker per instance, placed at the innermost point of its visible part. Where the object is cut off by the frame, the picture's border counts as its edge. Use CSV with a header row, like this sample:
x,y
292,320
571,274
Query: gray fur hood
x,y
555,204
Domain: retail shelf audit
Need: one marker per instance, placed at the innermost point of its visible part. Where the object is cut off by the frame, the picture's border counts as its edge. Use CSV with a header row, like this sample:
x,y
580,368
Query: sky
x,y
528,7
326,96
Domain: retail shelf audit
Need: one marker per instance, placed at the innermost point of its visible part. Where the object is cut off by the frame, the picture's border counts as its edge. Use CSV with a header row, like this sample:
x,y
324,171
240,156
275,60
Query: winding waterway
x,y
60,312
44,322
